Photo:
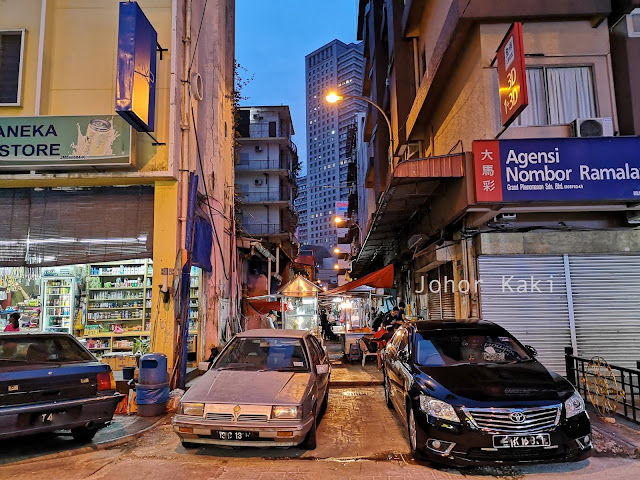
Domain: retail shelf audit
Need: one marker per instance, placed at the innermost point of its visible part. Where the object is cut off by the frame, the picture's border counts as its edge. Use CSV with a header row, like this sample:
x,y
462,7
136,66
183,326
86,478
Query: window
x,y
11,43
558,95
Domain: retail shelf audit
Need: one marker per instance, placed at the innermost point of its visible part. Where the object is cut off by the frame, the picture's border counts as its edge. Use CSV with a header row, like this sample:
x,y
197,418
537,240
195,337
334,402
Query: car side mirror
x,y
322,368
532,350
203,366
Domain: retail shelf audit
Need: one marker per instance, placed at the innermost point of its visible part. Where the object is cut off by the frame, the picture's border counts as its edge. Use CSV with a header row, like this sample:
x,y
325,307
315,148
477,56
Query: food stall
x,y
299,300
354,304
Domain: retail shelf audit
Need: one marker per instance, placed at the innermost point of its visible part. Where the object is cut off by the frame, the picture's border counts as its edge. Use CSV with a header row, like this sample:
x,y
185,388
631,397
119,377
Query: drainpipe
x,y
185,124
43,22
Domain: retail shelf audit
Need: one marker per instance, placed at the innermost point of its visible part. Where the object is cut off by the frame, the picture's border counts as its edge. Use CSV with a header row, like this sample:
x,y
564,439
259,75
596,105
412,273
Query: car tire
x,y
412,429
189,445
387,391
311,438
83,434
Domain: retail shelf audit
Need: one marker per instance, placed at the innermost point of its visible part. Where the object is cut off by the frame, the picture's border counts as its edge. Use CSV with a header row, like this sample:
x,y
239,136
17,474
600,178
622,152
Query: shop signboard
x,y
46,142
136,77
557,169
512,75
342,208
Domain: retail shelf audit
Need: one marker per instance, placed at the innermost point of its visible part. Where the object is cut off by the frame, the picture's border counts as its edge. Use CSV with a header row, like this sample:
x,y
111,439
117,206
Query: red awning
x,y
264,306
382,278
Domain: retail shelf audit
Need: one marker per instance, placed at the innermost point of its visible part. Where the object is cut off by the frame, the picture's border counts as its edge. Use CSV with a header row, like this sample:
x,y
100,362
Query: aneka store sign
x,y
41,143
557,169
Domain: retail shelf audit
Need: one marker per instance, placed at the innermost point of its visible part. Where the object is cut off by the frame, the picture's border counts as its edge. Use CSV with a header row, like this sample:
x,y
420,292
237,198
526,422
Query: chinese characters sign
x,y
512,75
557,169
136,79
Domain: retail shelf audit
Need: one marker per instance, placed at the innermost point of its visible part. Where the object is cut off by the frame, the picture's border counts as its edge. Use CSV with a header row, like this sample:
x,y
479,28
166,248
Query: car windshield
x,y
35,349
441,348
281,354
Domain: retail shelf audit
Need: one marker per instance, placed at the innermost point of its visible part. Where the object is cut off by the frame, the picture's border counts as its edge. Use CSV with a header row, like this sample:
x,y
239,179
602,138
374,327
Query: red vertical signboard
x,y
488,174
512,75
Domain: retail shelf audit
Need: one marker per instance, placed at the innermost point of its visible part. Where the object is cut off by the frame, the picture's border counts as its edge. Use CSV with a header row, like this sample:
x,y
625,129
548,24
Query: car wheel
x,y
413,434
83,434
189,445
387,391
310,441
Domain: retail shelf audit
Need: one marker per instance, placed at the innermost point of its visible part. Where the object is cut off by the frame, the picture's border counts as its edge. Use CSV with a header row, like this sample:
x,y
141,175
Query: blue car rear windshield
x,y
282,354
437,349
15,349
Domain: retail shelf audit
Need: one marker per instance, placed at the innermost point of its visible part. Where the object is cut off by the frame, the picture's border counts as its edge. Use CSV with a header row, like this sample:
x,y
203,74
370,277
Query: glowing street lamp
x,y
336,267
338,220
336,250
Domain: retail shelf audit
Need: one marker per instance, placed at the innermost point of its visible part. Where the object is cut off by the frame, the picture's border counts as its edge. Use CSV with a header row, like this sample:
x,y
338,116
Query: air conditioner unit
x,y
633,23
257,116
592,127
258,182
258,148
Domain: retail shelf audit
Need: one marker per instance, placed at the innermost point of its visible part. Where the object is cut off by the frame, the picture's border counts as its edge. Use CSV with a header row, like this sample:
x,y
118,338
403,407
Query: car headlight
x,y
286,411
195,409
438,408
574,405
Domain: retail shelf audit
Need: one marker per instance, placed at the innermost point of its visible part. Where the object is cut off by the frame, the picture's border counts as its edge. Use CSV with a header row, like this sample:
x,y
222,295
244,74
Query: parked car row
x,y
468,393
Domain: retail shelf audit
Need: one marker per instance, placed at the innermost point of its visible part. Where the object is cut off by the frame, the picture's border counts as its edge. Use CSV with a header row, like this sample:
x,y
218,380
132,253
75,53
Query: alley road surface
x,y
358,438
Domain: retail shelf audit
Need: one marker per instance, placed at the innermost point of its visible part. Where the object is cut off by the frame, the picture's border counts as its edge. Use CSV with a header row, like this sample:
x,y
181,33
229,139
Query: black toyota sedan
x,y
471,394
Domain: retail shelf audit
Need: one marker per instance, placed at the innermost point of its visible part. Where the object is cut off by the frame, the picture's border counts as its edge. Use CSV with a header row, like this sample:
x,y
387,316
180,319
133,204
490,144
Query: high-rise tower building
x,y
335,66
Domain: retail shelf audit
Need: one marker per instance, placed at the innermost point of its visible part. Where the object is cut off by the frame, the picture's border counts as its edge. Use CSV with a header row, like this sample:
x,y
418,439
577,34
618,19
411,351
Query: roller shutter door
x,y
606,302
65,226
433,304
448,295
536,318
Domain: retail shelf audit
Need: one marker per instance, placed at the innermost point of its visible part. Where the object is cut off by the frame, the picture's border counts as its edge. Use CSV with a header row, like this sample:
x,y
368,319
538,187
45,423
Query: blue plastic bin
x,y
152,391
153,369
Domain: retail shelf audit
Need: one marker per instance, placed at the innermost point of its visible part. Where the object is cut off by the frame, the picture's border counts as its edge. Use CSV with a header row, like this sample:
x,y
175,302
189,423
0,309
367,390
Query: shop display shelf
x,y
113,319
98,348
117,308
117,288
115,299
122,348
131,334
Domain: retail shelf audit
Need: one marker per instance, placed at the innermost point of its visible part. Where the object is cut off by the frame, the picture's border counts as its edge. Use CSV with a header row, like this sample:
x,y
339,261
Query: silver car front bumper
x,y
271,434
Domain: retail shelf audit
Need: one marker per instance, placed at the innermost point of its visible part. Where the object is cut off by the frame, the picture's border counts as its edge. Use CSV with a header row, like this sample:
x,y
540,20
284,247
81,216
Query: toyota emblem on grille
x,y
517,417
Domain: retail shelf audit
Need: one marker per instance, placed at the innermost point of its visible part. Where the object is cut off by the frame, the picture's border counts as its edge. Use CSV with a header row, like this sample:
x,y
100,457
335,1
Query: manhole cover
x,y
354,394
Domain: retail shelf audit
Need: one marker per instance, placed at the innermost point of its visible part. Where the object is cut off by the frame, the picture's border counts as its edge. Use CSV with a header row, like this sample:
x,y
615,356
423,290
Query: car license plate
x,y
46,418
516,441
233,435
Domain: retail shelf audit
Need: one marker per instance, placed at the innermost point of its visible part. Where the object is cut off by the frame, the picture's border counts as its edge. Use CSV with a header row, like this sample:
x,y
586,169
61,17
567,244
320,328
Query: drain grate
x,y
354,394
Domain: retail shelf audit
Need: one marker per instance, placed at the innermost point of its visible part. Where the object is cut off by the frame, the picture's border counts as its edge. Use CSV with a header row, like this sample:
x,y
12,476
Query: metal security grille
x,y
448,295
433,301
536,314
606,302
46,227
252,418
501,419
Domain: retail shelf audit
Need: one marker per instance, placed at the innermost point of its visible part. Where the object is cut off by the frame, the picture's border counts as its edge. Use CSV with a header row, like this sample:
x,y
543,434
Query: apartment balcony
x,y
265,196
280,166
265,229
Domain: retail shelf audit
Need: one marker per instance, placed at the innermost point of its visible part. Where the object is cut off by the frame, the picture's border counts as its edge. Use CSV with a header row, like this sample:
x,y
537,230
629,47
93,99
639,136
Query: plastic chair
x,y
354,353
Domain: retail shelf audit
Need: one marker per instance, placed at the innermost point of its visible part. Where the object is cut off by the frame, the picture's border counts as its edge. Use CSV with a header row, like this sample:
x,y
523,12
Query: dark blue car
x,y
48,382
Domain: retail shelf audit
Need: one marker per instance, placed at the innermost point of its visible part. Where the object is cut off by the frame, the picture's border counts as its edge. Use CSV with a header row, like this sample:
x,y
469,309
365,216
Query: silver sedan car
x,y
266,388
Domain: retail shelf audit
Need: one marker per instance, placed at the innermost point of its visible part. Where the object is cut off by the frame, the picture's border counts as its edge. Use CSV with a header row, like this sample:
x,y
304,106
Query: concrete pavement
x,y
358,438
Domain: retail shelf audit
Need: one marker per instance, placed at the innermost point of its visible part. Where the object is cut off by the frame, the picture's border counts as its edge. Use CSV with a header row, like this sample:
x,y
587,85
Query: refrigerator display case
x,y
58,305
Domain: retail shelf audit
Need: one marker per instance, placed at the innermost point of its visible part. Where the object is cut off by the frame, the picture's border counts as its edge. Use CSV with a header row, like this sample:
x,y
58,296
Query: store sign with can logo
x,y
46,142
136,77
557,169
342,208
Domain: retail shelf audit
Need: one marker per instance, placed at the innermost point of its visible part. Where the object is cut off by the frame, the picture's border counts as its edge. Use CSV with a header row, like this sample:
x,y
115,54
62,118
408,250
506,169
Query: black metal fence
x,y
609,388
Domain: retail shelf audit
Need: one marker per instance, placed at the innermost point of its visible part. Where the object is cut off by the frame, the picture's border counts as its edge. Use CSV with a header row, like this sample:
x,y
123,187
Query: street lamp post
x,y
334,98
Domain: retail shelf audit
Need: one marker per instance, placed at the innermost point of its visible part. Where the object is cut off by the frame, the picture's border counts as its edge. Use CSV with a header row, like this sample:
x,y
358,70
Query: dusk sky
x,y
272,39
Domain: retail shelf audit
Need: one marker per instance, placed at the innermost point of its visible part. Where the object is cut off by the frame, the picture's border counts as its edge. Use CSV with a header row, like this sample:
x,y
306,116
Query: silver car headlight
x,y
194,409
574,405
285,412
437,408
